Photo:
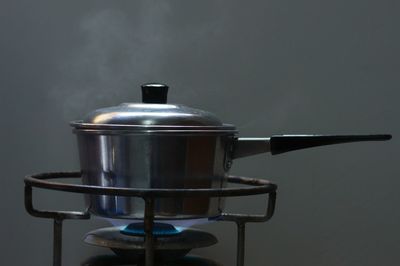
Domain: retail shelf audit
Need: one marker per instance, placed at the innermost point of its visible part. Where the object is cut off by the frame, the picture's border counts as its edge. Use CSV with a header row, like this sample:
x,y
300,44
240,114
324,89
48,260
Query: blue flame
x,y
179,223
159,229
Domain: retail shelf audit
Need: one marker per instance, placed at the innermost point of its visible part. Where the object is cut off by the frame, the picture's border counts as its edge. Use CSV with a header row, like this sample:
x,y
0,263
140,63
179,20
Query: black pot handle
x,y
285,143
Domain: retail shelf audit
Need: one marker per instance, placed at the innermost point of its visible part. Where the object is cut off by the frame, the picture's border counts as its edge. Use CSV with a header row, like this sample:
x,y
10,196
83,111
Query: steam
x,y
122,48
112,56
119,50
176,43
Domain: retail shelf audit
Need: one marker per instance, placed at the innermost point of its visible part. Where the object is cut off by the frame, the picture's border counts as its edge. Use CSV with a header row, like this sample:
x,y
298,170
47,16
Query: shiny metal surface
x,y
154,161
158,145
108,129
153,145
152,114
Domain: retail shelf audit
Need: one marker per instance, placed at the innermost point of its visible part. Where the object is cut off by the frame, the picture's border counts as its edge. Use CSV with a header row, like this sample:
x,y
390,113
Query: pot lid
x,y
154,113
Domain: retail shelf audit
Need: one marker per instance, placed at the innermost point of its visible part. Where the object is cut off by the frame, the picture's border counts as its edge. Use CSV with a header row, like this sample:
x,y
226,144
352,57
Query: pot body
x,y
173,161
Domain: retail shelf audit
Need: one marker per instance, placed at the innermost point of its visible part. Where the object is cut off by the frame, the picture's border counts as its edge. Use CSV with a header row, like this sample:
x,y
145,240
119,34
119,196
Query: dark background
x,y
269,67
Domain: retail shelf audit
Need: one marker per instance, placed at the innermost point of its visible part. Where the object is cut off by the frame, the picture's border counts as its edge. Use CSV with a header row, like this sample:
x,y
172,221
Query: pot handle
x,y
284,143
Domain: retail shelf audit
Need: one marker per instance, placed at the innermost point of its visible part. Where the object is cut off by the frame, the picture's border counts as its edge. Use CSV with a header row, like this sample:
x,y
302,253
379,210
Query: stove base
x,y
109,260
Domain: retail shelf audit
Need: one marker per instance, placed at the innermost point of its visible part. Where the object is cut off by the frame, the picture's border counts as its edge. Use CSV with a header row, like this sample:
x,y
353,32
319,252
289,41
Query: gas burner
x,y
117,261
159,229
166,247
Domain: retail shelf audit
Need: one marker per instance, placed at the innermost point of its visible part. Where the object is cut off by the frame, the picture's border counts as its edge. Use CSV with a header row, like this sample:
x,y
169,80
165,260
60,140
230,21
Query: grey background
x,y
269,67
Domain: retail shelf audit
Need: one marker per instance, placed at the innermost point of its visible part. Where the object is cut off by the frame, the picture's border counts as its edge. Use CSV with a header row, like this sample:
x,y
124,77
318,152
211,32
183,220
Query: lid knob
x,y
154,93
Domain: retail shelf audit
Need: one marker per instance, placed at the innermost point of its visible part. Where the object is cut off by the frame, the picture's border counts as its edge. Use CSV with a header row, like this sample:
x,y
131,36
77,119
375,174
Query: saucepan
x,y
154,144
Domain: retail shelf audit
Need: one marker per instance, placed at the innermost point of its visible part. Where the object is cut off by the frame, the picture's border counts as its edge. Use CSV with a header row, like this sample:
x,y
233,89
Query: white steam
x,y
117,52
124,47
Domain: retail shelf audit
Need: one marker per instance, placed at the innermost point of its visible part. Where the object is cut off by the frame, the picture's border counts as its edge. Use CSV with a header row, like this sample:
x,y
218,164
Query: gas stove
x,y
148,241
153,165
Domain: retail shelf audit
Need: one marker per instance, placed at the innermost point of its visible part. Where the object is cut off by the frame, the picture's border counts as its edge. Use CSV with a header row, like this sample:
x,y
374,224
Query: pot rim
x,y
81,126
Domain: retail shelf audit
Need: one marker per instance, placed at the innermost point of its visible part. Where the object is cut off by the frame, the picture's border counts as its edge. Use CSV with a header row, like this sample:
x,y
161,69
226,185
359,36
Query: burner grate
x,y
255,187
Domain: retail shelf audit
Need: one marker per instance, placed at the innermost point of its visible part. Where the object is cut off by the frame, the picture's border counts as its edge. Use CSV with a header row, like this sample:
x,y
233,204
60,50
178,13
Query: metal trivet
x,y
256,187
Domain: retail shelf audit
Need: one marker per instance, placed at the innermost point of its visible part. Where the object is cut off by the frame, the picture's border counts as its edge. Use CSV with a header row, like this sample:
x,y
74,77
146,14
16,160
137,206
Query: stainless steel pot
x,y
158,145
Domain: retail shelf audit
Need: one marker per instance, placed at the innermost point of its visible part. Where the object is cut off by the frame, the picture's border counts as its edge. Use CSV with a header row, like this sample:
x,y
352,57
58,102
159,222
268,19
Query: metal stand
x,y
148,229
57,242
57,216
241,230
257,186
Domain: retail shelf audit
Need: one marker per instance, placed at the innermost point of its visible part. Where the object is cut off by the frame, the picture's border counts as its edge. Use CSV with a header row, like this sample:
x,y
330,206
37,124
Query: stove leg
x,y
241,227
57,234
148,228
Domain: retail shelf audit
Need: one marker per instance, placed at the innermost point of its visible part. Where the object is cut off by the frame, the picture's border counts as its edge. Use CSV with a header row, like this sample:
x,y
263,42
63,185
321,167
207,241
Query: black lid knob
x,y
154,93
